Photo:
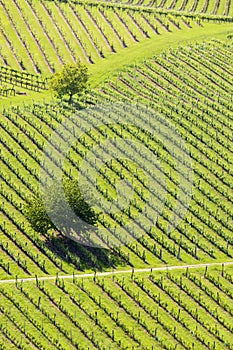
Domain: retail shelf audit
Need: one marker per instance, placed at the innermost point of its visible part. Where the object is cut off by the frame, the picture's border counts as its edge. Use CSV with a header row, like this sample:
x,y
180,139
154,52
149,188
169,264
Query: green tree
x,y
36,213
71,80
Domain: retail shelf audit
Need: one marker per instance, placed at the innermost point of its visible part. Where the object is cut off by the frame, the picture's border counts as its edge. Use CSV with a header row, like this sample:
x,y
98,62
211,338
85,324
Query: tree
x,y
71,80
36,214
38,217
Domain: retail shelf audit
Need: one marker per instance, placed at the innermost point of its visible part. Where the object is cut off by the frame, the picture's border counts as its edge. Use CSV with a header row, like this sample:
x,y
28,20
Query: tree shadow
x,y
74,240
68,223
83,257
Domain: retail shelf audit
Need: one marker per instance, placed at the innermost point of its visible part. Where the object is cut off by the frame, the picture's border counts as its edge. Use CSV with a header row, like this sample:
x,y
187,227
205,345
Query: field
x,y
151,142
165,310
72,31
218,7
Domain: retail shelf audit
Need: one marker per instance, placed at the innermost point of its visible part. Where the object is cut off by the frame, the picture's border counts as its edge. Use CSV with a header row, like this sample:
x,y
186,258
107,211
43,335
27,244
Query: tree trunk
x,y
70,99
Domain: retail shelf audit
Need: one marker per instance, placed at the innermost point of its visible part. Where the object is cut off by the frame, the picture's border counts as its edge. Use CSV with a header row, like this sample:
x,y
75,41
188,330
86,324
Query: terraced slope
x,y
191,88
172,311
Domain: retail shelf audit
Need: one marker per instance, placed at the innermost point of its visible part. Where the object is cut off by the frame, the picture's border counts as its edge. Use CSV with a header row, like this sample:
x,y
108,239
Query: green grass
x,y
224,7
113,64
204,227
58,33
63,33
103,70
185,77
122,310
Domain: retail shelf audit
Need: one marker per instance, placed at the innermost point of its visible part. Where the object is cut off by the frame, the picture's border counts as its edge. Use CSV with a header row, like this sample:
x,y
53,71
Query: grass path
x,y
114,272
137,52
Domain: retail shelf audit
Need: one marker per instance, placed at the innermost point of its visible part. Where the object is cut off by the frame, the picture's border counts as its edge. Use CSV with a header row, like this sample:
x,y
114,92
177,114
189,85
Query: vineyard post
x,y
151,269
56,280
206,269
223,269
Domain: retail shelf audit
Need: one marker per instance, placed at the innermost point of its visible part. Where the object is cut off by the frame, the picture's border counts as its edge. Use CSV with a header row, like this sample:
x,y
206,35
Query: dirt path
x,y
116,272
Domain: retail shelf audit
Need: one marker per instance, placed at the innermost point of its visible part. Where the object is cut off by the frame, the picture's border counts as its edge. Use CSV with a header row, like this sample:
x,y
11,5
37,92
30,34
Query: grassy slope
x,y
100,72
37,125
137,52
127,306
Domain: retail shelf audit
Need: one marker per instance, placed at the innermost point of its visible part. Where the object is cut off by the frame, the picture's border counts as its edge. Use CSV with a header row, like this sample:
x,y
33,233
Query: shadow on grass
x,y
83,257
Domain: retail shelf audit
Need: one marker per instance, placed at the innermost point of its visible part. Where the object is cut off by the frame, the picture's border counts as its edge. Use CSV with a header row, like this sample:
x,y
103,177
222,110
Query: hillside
x,y
150,144
166,310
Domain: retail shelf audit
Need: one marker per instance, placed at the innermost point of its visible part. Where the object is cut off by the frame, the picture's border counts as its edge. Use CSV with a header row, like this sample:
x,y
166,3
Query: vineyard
x,y
169,310
150,143
204,108
215,7
41,36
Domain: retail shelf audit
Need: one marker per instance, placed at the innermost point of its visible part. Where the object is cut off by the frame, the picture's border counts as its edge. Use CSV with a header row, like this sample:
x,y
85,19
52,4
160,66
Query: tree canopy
x,y
71,80
38,217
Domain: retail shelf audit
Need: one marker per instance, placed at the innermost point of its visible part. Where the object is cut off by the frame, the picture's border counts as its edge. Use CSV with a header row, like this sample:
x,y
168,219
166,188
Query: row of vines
x,y
67,32
212,7
170,310
195,99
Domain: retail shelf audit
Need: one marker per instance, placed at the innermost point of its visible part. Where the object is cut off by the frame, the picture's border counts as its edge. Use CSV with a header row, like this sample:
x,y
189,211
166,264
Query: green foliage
x,y
77,202
36,213
71,80
37,216
189,309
